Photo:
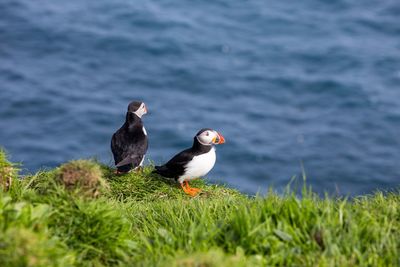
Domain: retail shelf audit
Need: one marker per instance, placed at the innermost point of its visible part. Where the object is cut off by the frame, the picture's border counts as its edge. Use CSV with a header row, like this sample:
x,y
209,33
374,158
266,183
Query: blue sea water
x,y
288,83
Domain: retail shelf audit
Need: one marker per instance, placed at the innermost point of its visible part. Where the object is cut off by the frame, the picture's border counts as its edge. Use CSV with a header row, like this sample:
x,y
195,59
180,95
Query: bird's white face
x,y
210,137
141,110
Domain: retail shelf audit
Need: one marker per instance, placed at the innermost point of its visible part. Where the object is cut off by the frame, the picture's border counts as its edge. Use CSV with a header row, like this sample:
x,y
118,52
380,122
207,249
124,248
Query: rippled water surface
x,y
287,83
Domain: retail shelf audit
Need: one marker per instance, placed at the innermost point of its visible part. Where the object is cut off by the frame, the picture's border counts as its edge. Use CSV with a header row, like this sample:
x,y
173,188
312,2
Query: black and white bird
x,y
129,144
193,162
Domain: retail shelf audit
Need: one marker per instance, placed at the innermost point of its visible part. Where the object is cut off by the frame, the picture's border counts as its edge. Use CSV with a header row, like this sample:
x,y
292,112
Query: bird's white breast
x,y
199,166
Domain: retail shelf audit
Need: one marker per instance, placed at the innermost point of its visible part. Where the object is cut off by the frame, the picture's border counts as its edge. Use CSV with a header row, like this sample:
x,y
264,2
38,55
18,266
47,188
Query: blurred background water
x,y
286,82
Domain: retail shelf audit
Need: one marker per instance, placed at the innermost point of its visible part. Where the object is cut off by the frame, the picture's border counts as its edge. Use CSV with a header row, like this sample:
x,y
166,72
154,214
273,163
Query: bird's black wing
x,y
130,159
116,146
176,166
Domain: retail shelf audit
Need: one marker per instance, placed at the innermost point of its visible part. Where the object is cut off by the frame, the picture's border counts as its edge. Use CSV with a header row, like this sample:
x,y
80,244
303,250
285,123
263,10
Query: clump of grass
x,y
96,230
8,171
93,228
85,175
24,247
24,237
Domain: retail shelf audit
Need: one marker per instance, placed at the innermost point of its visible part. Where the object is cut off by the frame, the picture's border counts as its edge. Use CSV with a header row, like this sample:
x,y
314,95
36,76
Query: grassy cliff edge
x,y
81,214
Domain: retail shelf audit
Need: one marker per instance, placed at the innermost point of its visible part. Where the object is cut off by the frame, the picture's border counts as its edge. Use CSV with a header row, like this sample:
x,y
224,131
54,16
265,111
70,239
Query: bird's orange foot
x,y
191,193
117,172
189,190
195,190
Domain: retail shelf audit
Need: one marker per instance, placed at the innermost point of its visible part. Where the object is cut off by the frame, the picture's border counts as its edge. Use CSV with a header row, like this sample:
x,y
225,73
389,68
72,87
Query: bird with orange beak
x,y
193,162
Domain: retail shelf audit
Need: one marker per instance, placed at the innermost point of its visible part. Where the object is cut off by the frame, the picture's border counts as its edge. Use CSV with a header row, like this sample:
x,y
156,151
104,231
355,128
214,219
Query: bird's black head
x,y
138,108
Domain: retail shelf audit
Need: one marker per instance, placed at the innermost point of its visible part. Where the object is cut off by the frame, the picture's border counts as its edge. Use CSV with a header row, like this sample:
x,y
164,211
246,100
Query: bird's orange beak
x,y
145,109
219,139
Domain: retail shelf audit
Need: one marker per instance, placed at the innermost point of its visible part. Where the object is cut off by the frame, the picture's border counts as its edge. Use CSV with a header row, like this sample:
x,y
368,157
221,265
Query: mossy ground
x,y
139,219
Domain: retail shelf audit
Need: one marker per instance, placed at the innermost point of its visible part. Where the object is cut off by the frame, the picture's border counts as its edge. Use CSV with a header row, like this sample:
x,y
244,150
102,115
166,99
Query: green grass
x,y
139,219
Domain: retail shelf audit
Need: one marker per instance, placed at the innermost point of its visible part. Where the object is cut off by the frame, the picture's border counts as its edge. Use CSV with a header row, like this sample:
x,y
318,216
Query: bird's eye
x,y
207,133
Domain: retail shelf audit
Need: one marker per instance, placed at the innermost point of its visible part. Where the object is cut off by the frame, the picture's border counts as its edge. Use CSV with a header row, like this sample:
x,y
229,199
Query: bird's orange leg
x,y
185,189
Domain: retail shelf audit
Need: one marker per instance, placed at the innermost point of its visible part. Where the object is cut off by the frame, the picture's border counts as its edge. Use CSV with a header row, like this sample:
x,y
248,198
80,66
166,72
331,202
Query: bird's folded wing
x,y
128,160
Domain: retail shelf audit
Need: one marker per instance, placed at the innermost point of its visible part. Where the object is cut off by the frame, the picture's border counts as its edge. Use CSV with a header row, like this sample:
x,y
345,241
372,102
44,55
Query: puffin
x,y
129,143
193,162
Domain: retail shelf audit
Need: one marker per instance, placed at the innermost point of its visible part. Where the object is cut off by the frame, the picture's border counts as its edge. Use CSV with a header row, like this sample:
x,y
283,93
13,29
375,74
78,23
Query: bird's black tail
x,y
158,170
163,171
